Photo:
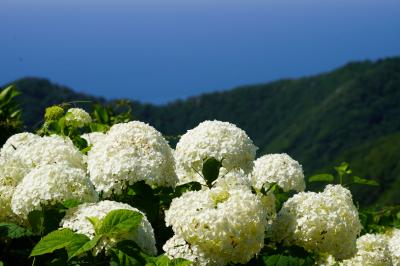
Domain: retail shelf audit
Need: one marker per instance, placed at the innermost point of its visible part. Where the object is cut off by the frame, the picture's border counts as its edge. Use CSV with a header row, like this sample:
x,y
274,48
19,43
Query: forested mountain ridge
x,y
350,114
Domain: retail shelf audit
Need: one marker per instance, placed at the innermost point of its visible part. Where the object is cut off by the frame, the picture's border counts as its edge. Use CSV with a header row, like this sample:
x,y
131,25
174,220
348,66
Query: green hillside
x,y
351,114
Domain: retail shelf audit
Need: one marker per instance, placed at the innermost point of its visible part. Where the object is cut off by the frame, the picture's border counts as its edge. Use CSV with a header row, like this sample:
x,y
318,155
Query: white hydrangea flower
x,y
176,247
326,222
76,220
6,213
372,250
223,223
394,246
128,153
25,151
234,178
220,140
77,117
11,173
237,178
16,142
280,169
92,138
33,150
50,150
50,184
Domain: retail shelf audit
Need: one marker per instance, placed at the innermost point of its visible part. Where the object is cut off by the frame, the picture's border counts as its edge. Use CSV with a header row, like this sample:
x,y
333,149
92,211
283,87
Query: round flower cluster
x,y
394,246
176,247
213,139
326,222
280,169
50,150
372,249
53,113
17,142
237,178
76,220
11,173
51,184
22,154
128,153
6,193
77,117
224,224
32,151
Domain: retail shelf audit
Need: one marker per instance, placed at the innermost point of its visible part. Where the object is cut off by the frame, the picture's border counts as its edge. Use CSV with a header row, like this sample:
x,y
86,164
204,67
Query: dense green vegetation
x,y
351,114
10,114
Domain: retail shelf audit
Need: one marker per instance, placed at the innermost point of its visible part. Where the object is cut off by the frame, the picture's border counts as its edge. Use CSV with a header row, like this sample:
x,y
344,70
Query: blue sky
x,y
160,50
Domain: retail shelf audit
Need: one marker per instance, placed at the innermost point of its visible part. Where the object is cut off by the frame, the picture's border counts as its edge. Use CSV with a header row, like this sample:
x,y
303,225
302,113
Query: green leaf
x,y
71,203
363,181
16,113
181,262
87,149
165,261
96,222
321,178
79,248
119,258
10,230
36,221
101,115
96,127
8,93
191,186
64,238
75,247
46,220
140,195
80,143
1,263
127,252
120,222
343,169
210,170
280,260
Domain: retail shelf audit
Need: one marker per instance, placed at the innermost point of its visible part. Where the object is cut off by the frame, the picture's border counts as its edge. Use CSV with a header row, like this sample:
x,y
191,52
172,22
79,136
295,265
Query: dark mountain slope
x,y
37,94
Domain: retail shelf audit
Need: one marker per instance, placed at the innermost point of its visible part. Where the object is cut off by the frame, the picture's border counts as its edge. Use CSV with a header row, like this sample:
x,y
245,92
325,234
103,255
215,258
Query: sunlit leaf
x,y
79,248
321,178
71,203
120,222
64,238
363,181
